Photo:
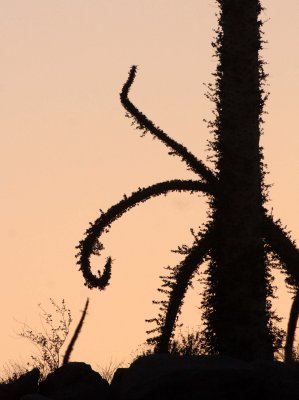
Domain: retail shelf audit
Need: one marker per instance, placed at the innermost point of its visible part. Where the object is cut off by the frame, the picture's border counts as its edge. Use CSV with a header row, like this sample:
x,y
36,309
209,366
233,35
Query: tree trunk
x,y
236,304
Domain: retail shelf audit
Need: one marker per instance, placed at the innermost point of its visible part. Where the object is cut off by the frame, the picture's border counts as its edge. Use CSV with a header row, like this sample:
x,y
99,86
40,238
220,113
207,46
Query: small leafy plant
x,y
51,339
189,343
49,342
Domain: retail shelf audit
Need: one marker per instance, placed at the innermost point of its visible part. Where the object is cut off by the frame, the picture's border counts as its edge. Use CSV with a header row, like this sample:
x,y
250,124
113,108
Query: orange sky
x,y
67,150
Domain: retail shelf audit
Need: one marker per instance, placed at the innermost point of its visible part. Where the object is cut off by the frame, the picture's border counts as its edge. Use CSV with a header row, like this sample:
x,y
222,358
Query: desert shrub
x,y
11,371
50,340
109,369
189,343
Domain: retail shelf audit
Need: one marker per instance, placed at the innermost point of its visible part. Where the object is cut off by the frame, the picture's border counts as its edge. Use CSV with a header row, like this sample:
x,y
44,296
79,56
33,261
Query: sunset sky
x,y
67,150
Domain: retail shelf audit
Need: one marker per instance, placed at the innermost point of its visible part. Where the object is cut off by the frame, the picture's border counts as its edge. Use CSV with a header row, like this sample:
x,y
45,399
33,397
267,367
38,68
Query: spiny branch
x,y
178,282
146,125
284,247
292,325
91,245
75,335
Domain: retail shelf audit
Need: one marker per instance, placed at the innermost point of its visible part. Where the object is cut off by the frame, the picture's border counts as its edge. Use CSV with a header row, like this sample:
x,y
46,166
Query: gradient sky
x,y
67,150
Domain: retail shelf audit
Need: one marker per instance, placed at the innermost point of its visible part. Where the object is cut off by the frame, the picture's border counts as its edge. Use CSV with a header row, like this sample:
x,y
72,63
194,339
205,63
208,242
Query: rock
x,y
25,384
171,377
75,381
34,396
117,381
4,393
282,379
165,376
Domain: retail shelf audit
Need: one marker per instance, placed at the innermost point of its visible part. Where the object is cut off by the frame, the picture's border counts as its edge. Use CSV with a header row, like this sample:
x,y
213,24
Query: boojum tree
x,y
240,238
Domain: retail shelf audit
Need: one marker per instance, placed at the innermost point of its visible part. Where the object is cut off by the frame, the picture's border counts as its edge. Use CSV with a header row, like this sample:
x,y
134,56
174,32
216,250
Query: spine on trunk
x,y
236,301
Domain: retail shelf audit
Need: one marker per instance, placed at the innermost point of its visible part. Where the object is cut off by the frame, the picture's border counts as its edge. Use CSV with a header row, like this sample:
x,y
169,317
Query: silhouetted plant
x,y
240,238
289,351
50,341
189,343
107,372
11,371
75,336
236,304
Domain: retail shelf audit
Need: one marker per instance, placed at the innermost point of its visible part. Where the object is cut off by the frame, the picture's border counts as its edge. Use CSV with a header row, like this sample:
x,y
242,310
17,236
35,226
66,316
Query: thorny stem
x,y
146,124
75,335
292,324
90,244
182,279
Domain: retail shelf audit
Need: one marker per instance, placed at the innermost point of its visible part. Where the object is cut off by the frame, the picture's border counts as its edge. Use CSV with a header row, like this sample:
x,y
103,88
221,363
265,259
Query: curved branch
x,y
145,125
283,246
179,283
292,324
91,245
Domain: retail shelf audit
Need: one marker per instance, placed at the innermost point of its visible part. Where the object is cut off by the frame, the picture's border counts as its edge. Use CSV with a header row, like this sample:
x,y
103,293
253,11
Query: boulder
x,y
172,377
25,384
75,381
34,396
4,393
166,376
117,382
282,380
